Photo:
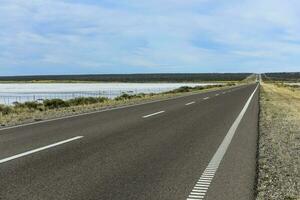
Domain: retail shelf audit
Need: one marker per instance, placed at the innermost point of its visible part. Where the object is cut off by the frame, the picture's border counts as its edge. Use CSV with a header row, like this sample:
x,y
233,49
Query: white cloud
x,y
198,35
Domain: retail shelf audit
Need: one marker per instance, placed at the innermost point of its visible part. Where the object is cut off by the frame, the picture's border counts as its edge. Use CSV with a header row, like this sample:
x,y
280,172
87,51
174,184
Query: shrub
x,y
55,103
140,95
199,87
18,105
181,89
230,84
101,99
32,105
124,97
80,101
86,100
5,110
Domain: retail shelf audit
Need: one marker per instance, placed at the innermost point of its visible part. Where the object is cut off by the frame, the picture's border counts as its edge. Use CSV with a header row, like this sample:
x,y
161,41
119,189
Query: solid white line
x,y
218,156
146,116
39,149
190,103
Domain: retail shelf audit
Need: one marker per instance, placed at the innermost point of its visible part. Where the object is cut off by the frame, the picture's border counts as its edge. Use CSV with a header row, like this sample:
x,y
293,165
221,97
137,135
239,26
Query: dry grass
x,y
279,143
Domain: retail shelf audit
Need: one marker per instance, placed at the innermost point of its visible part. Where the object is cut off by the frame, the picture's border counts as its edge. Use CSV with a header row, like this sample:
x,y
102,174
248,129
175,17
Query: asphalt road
x,y
153,151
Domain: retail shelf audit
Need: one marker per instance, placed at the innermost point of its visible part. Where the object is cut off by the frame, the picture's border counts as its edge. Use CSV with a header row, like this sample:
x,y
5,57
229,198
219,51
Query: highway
x,y
201,146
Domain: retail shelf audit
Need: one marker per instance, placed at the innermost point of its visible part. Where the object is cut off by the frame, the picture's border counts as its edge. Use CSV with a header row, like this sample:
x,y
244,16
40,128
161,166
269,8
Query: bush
x,y
86,100
128,96
31,105
18,105
230,84
81,101
181,89
124,97
5,110
55,103
199,88
140,95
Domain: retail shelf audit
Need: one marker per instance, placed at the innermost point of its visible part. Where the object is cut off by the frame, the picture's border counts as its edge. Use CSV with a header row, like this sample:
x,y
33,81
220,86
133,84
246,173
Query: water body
x,y
21,92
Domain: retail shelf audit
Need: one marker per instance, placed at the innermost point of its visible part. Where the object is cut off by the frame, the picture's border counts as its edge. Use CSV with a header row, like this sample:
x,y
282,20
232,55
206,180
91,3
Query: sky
x,y
148,36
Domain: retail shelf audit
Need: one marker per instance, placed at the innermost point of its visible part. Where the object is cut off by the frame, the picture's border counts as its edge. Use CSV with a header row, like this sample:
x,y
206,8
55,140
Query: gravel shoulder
x,y
279,143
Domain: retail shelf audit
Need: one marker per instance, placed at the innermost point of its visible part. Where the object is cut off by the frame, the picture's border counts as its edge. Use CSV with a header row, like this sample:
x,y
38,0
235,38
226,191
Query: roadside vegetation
x,y
279,143
51,108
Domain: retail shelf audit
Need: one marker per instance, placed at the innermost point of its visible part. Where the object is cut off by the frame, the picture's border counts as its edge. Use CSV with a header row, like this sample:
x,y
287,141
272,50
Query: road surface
x,y
201,146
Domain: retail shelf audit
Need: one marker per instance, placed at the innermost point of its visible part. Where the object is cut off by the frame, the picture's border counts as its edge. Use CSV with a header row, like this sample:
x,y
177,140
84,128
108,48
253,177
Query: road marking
x,y
217,94
204,181
39,149
206,98
224,92
146,116
190,103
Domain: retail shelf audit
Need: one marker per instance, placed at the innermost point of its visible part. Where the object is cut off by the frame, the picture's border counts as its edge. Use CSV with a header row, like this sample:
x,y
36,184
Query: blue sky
x,y
139,36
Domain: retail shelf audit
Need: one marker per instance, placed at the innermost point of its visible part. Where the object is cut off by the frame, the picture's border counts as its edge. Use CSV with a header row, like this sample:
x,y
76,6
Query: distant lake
x,y
21,92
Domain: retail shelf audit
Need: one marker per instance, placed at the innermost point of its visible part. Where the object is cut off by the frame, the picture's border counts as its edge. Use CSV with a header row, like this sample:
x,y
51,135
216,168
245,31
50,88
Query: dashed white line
x,y
205,98
39,149
146,116
207,176
217,94
190,103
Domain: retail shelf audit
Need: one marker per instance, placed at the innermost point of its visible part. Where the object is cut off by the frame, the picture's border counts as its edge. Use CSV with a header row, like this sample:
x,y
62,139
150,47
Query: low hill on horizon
x,y
166,77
